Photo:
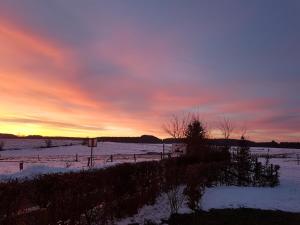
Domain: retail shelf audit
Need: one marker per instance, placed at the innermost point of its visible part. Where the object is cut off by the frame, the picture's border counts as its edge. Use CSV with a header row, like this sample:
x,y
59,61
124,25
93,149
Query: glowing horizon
x,y
114,69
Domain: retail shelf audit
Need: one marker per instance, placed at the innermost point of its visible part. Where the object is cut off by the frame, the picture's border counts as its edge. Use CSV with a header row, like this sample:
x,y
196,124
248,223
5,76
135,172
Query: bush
x,y
245,170
195,187
48,143
85,141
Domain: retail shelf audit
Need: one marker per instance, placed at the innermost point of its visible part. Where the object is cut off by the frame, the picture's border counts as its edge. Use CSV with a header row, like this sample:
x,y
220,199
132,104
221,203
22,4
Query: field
x,y
39,160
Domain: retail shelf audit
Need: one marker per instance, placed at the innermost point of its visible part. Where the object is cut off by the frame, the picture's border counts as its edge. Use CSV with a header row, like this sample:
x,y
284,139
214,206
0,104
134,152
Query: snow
x,y
103,148
61,159
285,197
32,171
17,144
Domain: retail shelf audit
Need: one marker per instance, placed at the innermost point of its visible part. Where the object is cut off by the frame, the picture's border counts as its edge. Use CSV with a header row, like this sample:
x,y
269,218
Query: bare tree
x,y
243,131
175,198
226,127
176,127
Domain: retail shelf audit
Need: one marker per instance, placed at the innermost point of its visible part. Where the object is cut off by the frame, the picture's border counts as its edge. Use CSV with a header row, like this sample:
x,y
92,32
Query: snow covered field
x,y
63,158
17,144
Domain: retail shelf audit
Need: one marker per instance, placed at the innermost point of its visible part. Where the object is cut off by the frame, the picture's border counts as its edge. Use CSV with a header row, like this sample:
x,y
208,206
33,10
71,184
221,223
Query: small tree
x,y
195,135
226,127
244,161
195,187
194,193
172,185
176,126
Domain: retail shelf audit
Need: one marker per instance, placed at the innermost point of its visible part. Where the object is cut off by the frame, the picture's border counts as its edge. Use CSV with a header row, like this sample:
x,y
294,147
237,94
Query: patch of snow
x,y
156,212
32,171
19,143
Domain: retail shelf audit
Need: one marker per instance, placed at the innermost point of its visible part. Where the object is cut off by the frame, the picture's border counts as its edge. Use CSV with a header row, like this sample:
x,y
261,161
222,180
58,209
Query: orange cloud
x,y
51,89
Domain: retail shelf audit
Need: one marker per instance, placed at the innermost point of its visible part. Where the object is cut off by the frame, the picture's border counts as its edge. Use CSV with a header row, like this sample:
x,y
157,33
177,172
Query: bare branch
x,y
244,130
226,127
176,126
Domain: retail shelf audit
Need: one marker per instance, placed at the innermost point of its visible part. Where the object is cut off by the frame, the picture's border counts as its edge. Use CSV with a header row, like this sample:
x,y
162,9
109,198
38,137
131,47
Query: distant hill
x,y
155,140
141,139
7,135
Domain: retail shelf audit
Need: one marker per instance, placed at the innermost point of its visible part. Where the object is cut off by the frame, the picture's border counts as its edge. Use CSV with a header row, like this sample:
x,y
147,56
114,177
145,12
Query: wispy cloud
x,y
55,124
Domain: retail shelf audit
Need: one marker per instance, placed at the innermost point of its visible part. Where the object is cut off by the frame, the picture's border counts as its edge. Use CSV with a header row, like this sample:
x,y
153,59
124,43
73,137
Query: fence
x,y
18,163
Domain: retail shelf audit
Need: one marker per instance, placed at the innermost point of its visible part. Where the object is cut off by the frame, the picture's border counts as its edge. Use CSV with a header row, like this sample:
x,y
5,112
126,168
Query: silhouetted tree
x,y
195,135
226,127
176,126
243,161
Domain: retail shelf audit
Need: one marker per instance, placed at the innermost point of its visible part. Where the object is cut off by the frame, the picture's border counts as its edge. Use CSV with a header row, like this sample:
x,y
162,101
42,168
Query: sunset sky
x,y
122,68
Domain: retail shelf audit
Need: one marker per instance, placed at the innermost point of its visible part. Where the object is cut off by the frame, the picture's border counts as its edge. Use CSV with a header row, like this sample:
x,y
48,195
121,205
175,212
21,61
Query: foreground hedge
x,y
97,195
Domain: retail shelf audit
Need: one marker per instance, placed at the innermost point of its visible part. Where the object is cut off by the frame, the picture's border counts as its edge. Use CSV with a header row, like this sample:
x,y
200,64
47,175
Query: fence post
x,y
272,169
91,163
21,165
76,158
88,162
163,150
111,158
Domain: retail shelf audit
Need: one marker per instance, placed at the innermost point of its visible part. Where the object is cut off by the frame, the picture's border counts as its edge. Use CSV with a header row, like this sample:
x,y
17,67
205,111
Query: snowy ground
x,y
17,144
63,158
285,197
38,160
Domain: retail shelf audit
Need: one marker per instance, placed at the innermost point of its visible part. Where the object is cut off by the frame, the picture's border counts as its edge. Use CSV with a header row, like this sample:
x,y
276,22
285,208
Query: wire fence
x,y
19,163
